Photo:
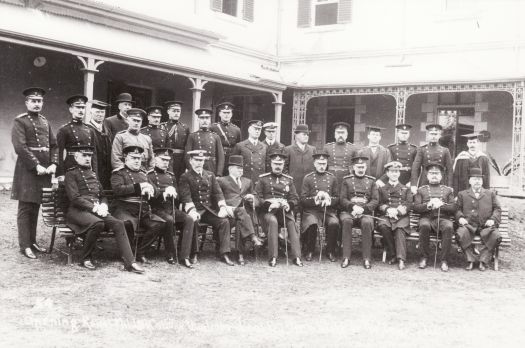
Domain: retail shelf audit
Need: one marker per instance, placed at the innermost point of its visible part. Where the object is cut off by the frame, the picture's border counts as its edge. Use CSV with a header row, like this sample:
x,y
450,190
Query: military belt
x,y
338,168
178,151
39,149
405,168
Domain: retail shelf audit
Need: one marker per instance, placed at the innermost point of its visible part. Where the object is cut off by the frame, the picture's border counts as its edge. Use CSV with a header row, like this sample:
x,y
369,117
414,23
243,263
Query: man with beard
x,y
467,160
227,131
178,134
319,197
341,152
118,122
154,130
102,143
253,152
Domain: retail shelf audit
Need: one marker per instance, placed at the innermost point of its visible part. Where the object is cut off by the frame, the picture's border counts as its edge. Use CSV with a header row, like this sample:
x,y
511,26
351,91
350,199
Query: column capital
x,y
90,64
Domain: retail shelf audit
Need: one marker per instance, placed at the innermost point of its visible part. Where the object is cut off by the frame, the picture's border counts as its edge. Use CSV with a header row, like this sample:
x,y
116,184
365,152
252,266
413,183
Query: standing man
x,y
359,196
162,205
467,160
227,131
132,137
319,199
403,152
270,140
253,152
88,213
154,130
341,152
395,202
204,139
435,202
277,193
132,194
431,153
118,122
102,143
177,136
36,148
299,156
74,133
204,201
240,203
377,154
478,213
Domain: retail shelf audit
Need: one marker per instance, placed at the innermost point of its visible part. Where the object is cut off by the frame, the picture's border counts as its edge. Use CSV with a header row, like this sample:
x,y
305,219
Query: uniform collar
x,y
32,113
158,170
134,132
128,168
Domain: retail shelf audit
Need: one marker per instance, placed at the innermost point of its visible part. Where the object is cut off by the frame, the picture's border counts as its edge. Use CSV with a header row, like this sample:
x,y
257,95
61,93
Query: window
x,y
235,8
323,12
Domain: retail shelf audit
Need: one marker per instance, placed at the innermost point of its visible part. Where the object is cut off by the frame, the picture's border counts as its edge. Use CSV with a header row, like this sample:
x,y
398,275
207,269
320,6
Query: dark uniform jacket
x,y
312,184
177,137
462,164
233,194
114,124
254,157
340,160
201,190
209,141
272,186
299,163
478,210
161,179
229,134
269,148
376,161
34,143
426,192
405,153
393,197
431,153
157,134
74,133
361,191
103,158
83,191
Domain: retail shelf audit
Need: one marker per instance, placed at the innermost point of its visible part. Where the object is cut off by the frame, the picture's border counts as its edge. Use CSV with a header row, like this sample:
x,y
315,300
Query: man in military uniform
x,y
240,202
431,152
204,139
88,213
270,140
204,201
377,154
341,152
227,131
118,122
163,205
403,152
74,133
277,194
132,137
467,160
478,213
299,160
132,193
358,200
435,203
253,152
177,136
154,130
319,199
35,145
102,143
395,203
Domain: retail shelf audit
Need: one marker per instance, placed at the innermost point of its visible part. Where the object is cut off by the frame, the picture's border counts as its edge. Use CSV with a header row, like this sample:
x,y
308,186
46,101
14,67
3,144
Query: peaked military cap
x,y
359,159
133,150
431,127
203,112
198,154
270,125
154,109
277,155
341,125
374,128
170,103
77,99
97,104
225,106
136,112
87,149
404,126
434,165
124,97
255,123
393,165
34,92
163,151
320,154
471,136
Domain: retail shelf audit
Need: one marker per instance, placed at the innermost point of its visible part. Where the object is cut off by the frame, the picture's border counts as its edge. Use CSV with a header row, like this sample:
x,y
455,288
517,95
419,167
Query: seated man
x,y
204,201
88,211
435,202
478,213
395,202
277,192
358,201
163,204
319,197
132,191
239,195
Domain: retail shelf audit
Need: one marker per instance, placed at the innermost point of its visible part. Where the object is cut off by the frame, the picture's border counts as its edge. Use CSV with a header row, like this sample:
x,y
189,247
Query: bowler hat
x,y
301,128
236,160
124,97
475,172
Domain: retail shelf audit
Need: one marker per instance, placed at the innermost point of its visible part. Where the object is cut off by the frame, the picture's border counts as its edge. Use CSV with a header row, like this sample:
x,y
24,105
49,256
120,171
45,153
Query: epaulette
x,y
265,174
393,144
117,169
72,168
348,176
122,131
370,177
287,176
329,173
424,145
143,171
332,143
172,174
233,124
311,173
424,186
412,145
22,115
144,127
150,171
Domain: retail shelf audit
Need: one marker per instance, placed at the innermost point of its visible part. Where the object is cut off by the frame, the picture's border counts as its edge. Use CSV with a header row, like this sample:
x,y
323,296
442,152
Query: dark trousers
x,y
27,220
272,223
490,238
221,228
395,242
117,226
187,232
366,224
153,229
332,231
446,229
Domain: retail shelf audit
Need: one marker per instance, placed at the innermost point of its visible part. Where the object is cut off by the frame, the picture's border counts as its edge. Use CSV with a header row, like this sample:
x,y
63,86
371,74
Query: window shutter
x,y
344,13
216,5
247,10
304,13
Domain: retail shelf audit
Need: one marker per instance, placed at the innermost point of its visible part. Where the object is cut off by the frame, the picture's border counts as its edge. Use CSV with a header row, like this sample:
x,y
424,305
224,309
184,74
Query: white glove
x,y
51,169
402,210
392,213
357,210
230,212
170,192
222,212
103,210
194,215
489,223
413,189
286,206
249,197
462,221
146,189
274,205
380,183
40,170
95,207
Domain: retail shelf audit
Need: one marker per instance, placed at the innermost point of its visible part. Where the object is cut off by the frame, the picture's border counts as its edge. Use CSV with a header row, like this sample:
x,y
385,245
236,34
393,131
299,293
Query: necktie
x,y
239,182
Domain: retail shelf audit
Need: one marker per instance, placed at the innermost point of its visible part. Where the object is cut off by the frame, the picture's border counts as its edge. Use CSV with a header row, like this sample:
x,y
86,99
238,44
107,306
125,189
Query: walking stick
x,y
256,222
137,229
437,238
174,229
284,230
322,235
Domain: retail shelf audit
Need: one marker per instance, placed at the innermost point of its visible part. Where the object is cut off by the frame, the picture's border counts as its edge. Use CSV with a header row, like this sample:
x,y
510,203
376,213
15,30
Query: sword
x,y
322,235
